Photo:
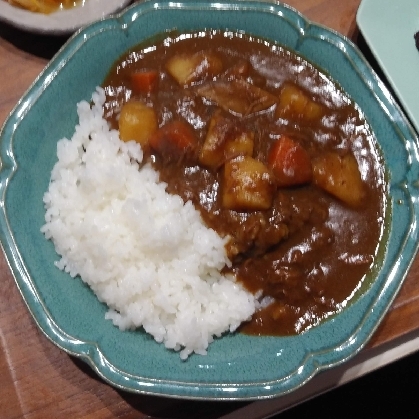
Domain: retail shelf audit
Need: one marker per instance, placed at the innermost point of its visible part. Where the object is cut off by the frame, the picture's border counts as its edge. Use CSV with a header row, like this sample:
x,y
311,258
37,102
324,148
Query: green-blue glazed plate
x,y
237,366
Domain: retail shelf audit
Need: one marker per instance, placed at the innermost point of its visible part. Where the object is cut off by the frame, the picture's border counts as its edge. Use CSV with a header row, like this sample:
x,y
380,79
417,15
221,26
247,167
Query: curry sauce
x,y
273,153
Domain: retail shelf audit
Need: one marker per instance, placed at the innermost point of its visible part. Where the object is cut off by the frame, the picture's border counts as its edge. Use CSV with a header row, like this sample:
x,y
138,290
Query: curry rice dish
x,y
275,161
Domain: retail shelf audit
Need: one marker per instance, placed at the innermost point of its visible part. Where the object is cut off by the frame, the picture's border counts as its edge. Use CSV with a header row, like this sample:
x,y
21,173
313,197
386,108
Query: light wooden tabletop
x,y
38,380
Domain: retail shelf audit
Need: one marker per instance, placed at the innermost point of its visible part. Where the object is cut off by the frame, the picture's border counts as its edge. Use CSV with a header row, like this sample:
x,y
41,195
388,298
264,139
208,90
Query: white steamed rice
x,y
144,253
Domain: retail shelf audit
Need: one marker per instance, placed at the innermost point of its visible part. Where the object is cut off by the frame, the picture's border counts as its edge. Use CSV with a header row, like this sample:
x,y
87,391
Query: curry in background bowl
x,y
43,6
241,366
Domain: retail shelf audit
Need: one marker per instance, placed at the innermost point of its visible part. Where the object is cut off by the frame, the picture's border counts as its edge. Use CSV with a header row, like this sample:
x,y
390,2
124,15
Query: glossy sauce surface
x,y
309,252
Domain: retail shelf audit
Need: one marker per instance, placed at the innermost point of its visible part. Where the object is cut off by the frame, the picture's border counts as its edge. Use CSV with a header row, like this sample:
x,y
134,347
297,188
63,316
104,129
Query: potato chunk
x,y
248,185
189,68
137,122
240,145
294,101
224,141
340,176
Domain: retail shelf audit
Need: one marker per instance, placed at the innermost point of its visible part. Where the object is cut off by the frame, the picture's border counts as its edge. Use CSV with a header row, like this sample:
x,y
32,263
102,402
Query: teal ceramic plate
x,y
237,366
388,27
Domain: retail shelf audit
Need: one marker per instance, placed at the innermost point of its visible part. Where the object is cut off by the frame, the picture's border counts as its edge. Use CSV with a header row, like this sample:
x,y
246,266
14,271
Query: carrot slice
x,y
144,81
174,141
290,162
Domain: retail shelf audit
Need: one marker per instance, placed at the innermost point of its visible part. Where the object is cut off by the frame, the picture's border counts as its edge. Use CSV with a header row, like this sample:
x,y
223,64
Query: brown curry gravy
x,y
326,248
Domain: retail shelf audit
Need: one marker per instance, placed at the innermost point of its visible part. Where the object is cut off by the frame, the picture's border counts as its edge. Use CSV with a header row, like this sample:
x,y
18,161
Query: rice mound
x,y
143,252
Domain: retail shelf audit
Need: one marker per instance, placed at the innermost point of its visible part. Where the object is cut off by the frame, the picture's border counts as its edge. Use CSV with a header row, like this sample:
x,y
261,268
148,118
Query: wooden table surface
x,y
38,380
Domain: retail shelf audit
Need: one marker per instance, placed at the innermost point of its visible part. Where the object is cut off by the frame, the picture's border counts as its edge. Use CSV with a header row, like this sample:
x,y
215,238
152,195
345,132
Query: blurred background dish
x,y
61,22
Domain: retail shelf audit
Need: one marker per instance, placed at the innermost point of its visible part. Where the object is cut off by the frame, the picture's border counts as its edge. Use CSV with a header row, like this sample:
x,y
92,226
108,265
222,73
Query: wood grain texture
x,y
38,380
